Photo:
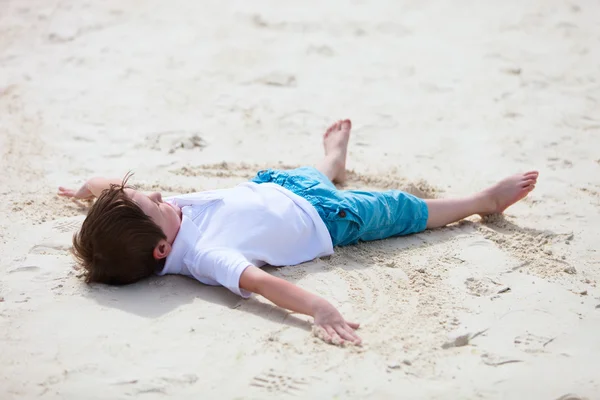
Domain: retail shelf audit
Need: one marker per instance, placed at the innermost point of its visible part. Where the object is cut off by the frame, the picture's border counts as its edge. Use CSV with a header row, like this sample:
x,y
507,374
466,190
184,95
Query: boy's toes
x,y
531,175
346,125
338,126
333,127
527,182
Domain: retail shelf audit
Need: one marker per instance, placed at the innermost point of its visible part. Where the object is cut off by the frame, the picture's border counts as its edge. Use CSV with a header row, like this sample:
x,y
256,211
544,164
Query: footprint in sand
x,y
49,248
531,343
555,163
172,141
272,381
26,268
66,226
571,396
479,287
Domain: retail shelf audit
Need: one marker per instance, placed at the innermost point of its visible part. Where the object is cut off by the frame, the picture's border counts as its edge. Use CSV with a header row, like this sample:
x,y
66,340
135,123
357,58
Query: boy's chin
x,y
176,208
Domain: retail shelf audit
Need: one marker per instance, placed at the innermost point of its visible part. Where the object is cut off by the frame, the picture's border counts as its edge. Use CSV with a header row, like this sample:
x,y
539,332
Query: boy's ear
x,y
161,250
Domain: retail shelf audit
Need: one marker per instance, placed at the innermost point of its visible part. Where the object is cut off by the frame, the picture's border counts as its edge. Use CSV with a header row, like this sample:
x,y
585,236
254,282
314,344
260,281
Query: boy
x,y
223,237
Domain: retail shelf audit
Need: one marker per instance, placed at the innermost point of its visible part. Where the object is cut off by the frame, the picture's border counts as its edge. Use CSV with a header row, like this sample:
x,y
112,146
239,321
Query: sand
x,y
445,98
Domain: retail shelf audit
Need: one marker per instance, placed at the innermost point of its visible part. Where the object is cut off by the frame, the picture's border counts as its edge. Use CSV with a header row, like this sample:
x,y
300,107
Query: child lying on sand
x,y
223,237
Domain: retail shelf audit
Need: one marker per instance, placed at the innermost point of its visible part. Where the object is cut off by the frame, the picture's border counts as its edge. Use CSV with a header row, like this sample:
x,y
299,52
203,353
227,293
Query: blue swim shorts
x,y
352,215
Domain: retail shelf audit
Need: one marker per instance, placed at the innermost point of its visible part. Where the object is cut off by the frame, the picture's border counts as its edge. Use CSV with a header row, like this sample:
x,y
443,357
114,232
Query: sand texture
x,y
445,99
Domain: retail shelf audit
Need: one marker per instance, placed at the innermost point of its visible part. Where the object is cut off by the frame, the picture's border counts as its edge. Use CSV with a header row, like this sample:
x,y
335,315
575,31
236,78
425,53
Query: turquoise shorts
x,y
352,215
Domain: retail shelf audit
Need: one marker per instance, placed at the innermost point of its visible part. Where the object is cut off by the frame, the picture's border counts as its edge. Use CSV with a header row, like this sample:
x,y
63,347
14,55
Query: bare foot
x,y
335,142
507,192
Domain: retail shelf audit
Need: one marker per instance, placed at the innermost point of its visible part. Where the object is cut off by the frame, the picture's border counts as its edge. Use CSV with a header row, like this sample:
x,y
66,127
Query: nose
x,y
156,196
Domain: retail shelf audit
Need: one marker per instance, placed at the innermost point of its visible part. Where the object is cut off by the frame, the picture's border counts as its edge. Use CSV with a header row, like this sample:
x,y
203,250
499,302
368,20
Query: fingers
x,y
348,334
62,191
340,334
345,334
72,194
333,336
353,325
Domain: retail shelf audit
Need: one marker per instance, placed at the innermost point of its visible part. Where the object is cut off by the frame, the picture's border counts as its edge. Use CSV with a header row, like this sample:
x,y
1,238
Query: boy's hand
x,y
330,325
93,187
84,193
333,327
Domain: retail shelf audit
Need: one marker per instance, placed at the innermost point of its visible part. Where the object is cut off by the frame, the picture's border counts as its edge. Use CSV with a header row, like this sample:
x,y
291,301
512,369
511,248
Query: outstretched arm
x,y
93,187
289,296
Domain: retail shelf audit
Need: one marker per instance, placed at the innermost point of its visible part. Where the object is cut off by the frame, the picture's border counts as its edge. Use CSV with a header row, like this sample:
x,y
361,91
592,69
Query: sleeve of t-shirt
x,y
222,266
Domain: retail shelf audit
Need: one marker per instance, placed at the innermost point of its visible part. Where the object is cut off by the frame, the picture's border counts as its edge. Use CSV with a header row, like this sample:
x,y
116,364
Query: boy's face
x,y
165,215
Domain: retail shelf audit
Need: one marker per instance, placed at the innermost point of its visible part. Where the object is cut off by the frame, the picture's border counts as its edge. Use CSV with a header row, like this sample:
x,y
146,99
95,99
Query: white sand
x,y
445,96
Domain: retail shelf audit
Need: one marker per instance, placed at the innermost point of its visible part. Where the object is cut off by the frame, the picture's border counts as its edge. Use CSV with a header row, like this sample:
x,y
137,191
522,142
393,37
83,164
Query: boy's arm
x,y
93,187
289,296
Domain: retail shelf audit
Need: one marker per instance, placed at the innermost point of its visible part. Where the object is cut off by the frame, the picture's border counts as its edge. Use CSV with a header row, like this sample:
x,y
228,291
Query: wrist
x,y
318,304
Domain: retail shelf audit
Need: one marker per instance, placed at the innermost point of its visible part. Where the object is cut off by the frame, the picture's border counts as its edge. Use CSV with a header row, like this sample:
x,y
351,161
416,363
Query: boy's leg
x,y
493,200
366,216
393,213
335,142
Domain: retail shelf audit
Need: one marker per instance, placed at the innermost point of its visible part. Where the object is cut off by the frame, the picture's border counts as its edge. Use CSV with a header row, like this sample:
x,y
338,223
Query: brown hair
x,y
116,241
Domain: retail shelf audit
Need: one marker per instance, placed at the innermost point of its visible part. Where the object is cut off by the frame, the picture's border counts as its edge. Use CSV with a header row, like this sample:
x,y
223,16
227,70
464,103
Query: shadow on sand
x,y
158,296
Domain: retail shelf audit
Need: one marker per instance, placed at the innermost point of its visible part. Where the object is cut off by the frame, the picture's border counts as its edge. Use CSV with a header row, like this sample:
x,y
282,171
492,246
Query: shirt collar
x,y
185,240
197,199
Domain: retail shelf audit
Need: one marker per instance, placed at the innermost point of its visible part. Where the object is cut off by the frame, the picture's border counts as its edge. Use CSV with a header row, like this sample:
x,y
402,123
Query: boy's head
x,y
126,236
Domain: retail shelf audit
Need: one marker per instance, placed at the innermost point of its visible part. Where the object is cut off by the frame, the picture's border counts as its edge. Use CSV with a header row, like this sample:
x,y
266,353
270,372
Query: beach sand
x,y
445,99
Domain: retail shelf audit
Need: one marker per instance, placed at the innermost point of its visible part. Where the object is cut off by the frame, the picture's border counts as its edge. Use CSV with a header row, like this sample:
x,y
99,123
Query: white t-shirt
x,y
223,232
